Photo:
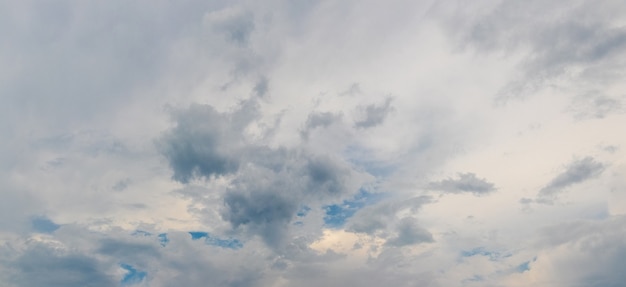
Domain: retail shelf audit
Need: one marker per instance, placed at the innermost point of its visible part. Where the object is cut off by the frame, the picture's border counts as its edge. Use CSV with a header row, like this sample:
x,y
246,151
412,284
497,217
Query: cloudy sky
x,y
313,143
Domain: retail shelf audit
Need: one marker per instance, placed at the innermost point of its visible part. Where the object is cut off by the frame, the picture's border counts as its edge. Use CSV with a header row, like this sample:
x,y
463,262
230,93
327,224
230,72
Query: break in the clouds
x,y
309,143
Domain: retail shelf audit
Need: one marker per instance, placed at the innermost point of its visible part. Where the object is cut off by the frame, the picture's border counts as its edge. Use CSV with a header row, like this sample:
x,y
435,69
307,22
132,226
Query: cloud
x,y
234,23
44,225
267,185
263,130
319,120
41,265
122,184
262,87
409,233
575,172
596,105
124,249
375,114
378,218
577,44
205,142
264,212
565,248
467,182
326,176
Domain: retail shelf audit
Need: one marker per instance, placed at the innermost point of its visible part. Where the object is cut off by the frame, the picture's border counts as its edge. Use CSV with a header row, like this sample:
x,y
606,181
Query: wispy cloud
x,y
466,182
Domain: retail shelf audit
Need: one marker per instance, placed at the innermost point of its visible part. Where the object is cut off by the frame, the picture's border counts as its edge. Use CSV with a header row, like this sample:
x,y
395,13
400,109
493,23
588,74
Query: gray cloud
x,y
265,198
353,90
123,249
325,176
235,24
555,40
80,63
122,184
575,172
41,265
262,86
44,224
375,114
264,211
409,233
595,104
268,186
205,142
72,73
380,218
467,182
319,120
601,242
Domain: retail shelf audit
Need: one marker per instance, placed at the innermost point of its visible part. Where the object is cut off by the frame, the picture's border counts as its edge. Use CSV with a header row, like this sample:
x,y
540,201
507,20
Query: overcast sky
x,y
313,143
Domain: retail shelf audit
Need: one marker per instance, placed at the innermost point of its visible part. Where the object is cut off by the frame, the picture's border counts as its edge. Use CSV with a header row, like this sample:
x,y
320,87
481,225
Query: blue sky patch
x,y
337,214
359,157
523,267
195,235
44,225
303,211
132,276
493,255
141,233
163,239
215,241
225,243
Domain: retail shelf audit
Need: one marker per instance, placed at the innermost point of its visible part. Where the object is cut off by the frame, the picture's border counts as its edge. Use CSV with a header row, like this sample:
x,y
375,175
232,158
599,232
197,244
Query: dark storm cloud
x,y
409,233
375,114
576,172
42,265
467,182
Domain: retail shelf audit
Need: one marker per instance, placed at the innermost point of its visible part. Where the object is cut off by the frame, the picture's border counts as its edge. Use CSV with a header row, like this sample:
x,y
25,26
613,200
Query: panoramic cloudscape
x,y
313,143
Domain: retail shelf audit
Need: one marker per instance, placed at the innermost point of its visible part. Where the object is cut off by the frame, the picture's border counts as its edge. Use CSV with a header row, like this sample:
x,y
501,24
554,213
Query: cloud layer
x,y
277,143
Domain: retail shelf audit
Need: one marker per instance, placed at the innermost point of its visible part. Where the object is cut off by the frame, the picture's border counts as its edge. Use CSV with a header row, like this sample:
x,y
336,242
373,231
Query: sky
x,y
313,143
